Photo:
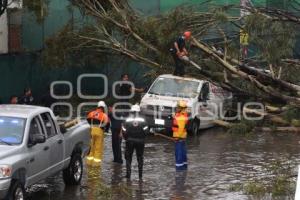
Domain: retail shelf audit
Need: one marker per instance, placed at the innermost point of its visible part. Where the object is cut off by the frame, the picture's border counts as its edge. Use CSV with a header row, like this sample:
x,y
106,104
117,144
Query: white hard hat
x,y
135,108
101,104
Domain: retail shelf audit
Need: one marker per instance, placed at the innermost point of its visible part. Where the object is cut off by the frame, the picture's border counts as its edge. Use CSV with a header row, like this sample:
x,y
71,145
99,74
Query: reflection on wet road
x,y
216,161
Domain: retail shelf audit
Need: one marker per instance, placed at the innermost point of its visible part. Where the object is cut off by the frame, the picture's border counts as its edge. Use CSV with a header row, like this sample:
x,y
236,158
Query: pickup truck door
x,y
37,155
55,141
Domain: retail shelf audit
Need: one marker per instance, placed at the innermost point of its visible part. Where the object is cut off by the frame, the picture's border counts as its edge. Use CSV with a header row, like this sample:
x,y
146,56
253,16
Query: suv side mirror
x,y
62,128
203,98
37,139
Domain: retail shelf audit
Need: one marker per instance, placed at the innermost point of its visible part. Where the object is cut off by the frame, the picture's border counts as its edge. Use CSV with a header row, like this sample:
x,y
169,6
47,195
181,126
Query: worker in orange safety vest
x,y
180,122
98,120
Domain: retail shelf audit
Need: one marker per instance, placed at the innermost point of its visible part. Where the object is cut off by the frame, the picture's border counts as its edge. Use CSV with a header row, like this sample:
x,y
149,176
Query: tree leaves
x,y
38,7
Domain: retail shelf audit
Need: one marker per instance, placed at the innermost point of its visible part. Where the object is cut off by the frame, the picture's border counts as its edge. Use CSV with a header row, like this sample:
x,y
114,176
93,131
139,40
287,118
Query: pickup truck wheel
x,y
16,191
195,126
73,174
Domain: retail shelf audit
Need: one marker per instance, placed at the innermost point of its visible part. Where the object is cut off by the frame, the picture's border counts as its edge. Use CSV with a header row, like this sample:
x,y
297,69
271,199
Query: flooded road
x,y
216,161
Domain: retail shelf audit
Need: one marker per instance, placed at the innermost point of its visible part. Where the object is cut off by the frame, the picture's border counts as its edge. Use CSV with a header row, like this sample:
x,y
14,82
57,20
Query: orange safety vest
x,y
180,122
99,116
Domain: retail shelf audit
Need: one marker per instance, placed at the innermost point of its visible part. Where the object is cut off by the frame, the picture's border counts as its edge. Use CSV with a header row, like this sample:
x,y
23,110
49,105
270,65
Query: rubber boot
x,y
98,153
140,166
140,174
90,157
128,170
128,173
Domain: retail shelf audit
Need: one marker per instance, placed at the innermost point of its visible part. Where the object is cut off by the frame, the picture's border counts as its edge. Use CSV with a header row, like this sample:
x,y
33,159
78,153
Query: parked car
x,y
206,102
32,148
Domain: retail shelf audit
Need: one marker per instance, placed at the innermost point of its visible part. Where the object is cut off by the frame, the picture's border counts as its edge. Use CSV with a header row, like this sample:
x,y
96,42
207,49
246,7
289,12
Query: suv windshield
x,y
175,88
11,130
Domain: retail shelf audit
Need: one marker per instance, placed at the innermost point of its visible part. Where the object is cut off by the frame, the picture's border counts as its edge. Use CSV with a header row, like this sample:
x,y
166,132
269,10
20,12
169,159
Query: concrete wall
x,y
3,34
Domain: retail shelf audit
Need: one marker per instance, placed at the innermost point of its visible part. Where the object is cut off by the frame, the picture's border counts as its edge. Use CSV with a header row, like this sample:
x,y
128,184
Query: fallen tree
x,y
117,29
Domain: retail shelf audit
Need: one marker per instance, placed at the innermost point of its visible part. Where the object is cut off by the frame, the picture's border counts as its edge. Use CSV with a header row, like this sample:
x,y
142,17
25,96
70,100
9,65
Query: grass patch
x,y
243,128
254,188
279,182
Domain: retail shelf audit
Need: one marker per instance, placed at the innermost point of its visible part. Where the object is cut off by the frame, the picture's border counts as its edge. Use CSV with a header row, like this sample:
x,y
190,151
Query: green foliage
x,y
295,122
293,113
38,7
221,17
236,187
281,183
291,73
103,192
281,186
63,49
275,39
242,128
273,127
104,3
233,50
254,188
161,32
278,181
58,48
147,39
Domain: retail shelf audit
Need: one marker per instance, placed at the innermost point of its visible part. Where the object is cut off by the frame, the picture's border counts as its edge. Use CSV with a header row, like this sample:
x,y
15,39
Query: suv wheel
x,y
16,191
73,174
195,126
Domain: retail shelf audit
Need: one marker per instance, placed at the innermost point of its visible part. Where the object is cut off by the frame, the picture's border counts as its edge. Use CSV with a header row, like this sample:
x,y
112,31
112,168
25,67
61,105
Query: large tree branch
x,y
245,76
116,46
261,75
96,9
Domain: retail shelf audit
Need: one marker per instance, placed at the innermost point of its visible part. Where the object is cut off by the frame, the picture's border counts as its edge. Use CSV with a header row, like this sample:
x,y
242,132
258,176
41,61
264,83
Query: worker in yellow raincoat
x,y
98,120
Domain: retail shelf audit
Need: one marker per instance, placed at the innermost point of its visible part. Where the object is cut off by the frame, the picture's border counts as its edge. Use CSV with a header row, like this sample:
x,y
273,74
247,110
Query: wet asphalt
x,y
216,160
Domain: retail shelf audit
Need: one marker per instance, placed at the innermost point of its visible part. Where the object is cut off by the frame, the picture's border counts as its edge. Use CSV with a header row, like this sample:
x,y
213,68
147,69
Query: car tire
x,y
194,127
16,191
73,174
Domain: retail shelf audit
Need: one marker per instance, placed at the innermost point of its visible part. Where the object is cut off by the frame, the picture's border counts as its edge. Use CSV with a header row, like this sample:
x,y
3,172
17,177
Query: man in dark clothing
x,y
27,98
125,91
178,50
134,131
115,126
125,88
47,100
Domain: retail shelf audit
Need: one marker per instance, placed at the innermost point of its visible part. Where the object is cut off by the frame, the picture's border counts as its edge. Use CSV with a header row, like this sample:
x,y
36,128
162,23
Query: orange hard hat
x,y
187,34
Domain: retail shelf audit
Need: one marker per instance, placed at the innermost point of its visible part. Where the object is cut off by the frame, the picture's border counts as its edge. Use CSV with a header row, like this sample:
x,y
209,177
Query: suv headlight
x,y
5,171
